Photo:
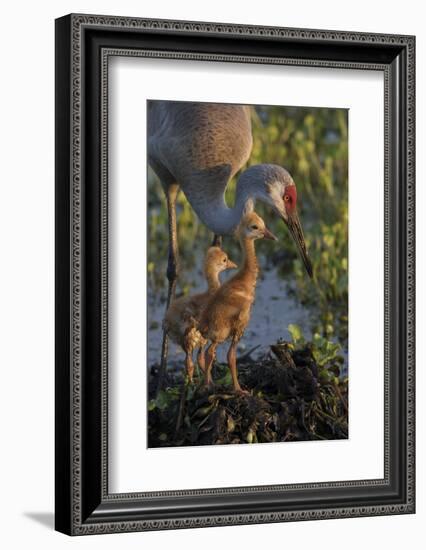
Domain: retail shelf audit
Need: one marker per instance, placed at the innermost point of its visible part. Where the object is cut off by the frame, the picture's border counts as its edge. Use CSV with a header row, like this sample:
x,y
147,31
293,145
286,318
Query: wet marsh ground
x,y
296,393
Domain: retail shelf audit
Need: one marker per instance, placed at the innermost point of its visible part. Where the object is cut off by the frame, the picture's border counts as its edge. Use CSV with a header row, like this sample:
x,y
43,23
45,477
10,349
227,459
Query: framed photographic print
x,y
234,274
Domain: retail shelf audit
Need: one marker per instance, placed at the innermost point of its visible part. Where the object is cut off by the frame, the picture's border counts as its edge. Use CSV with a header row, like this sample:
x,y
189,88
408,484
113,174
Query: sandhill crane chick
x,y
227,313
183,314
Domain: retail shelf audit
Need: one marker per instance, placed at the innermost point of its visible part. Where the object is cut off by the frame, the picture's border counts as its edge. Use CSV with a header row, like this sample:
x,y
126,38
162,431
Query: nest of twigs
x,y
291,398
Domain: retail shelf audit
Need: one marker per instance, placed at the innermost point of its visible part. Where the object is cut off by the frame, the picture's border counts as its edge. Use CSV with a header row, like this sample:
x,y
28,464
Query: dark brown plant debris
x,y
293,397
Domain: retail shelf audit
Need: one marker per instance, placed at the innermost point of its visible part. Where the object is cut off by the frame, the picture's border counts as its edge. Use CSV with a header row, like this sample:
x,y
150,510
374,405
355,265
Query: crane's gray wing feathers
x,y
199,145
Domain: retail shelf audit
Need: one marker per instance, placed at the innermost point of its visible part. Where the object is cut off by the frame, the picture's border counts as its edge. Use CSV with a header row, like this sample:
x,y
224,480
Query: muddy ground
x,y
291,398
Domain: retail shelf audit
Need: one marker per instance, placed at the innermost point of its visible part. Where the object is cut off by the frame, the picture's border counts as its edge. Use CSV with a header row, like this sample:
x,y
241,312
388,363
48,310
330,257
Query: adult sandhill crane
x,y
198,148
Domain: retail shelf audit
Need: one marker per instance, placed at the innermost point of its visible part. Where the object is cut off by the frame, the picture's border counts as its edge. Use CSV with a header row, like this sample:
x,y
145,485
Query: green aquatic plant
x,y
323,351
326,354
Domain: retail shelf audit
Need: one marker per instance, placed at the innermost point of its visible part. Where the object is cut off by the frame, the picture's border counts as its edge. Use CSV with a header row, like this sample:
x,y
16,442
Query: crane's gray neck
x,y
212,209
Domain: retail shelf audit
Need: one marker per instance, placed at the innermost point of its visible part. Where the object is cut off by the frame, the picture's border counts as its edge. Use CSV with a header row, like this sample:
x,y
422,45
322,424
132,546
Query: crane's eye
x,y
286,198
254,227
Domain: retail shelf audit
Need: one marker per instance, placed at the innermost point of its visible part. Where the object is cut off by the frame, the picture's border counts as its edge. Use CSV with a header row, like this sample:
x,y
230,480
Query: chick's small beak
x,y
269,235
231,265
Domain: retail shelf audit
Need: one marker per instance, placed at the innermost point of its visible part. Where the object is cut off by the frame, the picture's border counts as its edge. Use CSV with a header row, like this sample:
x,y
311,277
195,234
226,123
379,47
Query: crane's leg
x,y
217,241
232,363
183,394
187,379
172,270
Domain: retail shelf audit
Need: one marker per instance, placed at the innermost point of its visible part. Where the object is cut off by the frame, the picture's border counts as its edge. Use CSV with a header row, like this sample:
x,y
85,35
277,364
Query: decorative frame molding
x,y
84,44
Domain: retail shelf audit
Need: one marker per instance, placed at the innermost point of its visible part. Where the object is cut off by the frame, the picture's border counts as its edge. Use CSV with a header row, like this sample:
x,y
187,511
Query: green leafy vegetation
x,y
312,144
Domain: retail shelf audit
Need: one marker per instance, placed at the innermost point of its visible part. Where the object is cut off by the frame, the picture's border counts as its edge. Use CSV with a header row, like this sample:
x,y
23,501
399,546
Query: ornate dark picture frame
x,y
83,45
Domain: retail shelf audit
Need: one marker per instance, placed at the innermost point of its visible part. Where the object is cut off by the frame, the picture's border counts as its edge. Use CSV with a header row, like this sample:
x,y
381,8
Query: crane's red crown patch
x,y
290,198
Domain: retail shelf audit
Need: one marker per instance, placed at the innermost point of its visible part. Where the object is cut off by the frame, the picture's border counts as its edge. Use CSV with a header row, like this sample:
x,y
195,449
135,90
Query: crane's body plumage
x,y
192,138
201,146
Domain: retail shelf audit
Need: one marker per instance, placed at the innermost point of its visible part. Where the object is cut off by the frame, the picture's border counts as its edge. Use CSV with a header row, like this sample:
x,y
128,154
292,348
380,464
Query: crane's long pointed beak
x,y
295,228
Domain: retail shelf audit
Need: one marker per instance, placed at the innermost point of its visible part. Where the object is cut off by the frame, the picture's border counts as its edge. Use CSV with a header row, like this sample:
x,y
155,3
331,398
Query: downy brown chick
x,y
227,312
181,320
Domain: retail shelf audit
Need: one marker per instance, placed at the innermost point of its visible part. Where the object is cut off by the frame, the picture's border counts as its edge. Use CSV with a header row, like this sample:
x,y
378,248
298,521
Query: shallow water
x,y
272,312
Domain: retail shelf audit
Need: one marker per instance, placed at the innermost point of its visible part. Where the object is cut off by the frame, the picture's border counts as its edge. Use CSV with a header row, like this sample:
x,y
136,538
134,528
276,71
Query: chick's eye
x,y
224,260
254,227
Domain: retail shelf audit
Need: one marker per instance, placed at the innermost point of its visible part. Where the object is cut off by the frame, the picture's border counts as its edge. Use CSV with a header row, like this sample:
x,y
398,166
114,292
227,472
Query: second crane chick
x,y
182,317
227,313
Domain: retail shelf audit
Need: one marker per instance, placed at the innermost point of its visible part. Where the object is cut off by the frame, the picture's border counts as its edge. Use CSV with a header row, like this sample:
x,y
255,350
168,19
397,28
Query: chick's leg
x,y
210,355
232,363
189,365
201,359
